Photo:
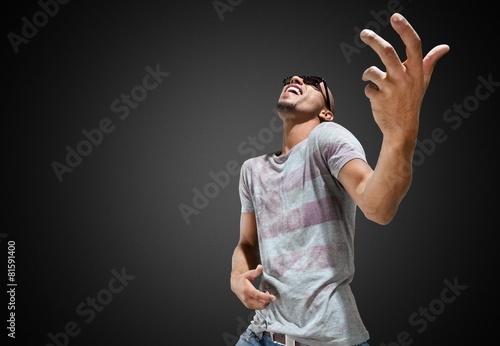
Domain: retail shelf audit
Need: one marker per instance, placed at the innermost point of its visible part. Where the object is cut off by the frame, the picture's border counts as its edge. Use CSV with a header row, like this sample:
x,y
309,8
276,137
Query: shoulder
x,y
256,162
330,132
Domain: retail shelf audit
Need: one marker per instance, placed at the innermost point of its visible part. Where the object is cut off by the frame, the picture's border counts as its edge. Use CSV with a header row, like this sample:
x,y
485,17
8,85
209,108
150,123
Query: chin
x,y
285,106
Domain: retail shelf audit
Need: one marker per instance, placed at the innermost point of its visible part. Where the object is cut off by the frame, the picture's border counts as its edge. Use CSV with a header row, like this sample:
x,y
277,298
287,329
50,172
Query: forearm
x,y
390,180
245,257
246,269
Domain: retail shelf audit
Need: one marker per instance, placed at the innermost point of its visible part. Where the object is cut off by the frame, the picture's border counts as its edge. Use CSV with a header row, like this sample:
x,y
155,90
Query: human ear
x,y
326,115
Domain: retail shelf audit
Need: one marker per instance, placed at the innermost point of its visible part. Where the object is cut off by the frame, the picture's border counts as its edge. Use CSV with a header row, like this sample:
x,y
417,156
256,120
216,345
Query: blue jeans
x,y
249,338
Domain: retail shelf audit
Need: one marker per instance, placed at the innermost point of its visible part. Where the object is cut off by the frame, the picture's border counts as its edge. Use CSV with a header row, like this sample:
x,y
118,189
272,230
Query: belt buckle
x,y
288,340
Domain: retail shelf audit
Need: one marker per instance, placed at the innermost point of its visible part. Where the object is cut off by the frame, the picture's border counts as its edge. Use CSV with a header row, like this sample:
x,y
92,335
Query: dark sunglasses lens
x,y
313,80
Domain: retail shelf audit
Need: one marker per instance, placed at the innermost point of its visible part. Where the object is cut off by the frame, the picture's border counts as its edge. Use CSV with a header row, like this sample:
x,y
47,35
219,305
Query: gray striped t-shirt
x,y
305,223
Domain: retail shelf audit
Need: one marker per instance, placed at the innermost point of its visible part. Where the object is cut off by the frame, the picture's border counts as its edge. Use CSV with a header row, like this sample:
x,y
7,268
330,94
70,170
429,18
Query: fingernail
x,y
366,33
397,17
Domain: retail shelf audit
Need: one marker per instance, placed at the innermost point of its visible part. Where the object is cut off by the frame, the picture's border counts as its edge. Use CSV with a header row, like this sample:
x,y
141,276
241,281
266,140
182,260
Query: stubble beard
x,y
284,106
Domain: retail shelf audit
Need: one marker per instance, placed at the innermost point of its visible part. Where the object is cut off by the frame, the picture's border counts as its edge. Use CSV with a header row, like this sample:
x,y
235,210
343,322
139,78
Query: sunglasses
x,y
314,81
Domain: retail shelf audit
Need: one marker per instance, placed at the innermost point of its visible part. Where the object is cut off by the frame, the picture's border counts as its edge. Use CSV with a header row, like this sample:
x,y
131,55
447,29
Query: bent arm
x,y
396,97
379,192
246,266
246,254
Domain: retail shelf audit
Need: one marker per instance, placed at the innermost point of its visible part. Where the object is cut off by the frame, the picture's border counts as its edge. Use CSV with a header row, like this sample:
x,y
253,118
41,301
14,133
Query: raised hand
x,y
396,95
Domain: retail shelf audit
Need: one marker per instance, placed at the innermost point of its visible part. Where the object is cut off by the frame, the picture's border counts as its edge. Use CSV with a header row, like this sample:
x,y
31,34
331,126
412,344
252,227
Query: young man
x,y
298,205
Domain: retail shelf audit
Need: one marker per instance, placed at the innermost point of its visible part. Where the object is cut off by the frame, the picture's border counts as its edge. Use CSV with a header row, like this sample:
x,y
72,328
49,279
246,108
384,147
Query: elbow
x,y
381,217
383,221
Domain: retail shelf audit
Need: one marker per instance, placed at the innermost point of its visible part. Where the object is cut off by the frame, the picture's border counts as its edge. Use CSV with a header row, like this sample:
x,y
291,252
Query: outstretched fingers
x,y
432,58
384,50
410,39
397,71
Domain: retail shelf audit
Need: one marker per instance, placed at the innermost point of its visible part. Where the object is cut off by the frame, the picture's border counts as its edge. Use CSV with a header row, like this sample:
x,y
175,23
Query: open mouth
x,y
294,90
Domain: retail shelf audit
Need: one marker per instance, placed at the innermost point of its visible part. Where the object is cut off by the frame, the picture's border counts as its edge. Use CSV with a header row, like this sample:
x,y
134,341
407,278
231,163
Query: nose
x,y
296,80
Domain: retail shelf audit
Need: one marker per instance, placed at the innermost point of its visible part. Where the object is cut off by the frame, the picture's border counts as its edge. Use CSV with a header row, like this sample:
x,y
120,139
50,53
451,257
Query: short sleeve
x,y
244,188
337,146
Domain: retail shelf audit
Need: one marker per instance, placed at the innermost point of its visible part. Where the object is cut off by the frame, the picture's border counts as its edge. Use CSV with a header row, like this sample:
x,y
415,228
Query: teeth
x,y
294,90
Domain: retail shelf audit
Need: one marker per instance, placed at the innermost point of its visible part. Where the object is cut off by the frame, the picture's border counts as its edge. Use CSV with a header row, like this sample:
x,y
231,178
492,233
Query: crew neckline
x,y
282,159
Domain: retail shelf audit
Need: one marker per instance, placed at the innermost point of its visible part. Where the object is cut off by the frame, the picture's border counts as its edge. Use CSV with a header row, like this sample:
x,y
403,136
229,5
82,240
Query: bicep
x,y
353,177
248,229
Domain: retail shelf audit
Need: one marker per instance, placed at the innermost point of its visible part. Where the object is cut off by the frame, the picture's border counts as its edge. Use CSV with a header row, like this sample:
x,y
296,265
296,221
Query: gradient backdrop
x,y
131,242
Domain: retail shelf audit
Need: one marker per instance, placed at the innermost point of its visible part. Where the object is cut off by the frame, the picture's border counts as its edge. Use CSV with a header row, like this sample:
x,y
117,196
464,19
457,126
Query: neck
x,y
295,132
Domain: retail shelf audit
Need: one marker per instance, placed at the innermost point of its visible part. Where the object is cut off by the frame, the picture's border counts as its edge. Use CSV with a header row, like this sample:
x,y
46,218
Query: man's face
x,y
300,97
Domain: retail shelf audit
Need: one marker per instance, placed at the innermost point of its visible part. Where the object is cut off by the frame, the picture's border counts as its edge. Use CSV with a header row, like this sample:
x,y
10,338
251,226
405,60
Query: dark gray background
x,y
119,207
